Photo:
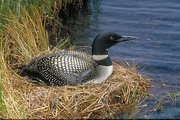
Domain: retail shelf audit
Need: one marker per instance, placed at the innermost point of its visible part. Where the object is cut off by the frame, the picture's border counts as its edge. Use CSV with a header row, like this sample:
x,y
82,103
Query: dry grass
x,y
25,37
120,92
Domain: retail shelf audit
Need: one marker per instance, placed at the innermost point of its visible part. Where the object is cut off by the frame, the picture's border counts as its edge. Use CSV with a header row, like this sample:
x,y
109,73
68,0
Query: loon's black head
x,y
105,40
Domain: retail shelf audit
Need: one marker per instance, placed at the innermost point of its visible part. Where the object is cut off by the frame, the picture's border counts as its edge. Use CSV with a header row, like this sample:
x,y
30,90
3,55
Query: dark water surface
x,y
156,52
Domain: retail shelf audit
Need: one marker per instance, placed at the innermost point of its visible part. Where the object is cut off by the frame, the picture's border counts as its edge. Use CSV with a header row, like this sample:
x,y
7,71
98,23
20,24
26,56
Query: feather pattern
x,y
65,67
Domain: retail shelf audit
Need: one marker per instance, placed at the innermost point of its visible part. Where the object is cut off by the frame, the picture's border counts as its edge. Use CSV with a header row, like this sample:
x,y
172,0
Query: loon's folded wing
x,y
65,68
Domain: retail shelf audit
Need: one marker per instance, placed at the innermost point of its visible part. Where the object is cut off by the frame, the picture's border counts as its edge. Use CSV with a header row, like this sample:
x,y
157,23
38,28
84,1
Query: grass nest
x,y
119,93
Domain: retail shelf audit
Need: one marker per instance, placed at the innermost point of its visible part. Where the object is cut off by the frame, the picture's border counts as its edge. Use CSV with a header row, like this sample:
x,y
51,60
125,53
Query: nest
x,y
120,92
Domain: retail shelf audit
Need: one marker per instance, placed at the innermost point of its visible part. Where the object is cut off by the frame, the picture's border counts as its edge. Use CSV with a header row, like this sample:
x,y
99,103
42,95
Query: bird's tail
x,y
21,70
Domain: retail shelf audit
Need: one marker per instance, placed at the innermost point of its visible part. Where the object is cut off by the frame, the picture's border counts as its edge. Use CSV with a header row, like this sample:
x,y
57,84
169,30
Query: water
x,y
156,52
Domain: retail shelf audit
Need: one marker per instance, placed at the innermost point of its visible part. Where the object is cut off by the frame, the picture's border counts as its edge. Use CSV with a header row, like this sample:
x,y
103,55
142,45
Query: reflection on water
x,y
81,26
155,53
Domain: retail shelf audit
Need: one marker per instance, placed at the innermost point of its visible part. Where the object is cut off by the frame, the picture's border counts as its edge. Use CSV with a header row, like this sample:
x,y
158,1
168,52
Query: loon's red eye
x,y
111,38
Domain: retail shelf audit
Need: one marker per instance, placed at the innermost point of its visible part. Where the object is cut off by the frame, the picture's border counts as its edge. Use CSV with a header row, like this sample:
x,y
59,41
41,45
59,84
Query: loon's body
x,y
73,67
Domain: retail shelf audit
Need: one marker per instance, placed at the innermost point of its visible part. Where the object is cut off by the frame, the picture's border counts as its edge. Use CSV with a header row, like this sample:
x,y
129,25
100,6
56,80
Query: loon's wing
x,y
68,67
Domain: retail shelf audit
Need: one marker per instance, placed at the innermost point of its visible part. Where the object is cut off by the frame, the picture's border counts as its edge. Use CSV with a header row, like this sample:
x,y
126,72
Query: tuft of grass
x,y
50,10
173,97
22,38
3,75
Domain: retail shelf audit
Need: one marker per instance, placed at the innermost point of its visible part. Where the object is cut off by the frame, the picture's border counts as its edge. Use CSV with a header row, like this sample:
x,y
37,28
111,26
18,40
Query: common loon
x,y
73,67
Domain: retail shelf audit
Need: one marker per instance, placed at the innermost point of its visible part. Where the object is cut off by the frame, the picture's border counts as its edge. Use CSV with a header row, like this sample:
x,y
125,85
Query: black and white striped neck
x,y
102,60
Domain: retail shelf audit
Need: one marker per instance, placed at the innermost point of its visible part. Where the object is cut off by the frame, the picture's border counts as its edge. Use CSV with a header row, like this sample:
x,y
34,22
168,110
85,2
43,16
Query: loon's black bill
x,y
126,38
